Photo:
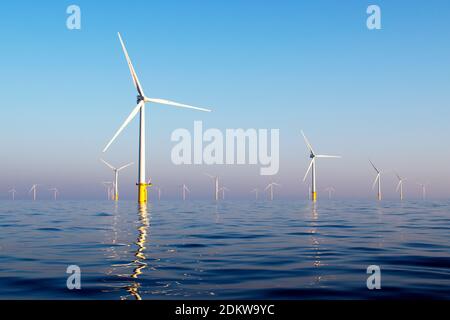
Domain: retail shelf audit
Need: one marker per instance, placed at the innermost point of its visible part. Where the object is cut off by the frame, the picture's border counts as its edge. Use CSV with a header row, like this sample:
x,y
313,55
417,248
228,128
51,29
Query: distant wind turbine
x,y
13,193
109,187
312,167
140,108
159,192
116,177
256,192
34,190
223,189
185,189
330,191
216,186
55,192
424,190
400,185
377,179
270,187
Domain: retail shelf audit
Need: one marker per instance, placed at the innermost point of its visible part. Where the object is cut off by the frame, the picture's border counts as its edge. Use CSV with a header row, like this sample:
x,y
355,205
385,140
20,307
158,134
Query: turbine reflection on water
x,y
140,261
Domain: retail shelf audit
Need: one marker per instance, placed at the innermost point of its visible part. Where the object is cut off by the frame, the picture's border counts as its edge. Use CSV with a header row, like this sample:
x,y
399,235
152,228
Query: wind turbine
x,y
424,190
185,189
34,189
377,179
159,192
312,167
330,191
223,189
256,192
140,108
271,187
13,193
400,185
109,187
216,186
55,192
116,177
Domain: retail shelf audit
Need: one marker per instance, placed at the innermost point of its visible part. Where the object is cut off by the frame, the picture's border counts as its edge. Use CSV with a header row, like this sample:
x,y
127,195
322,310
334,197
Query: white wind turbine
x,y
270,187
109,189
185,189
377,179
140,108
424,190
312,167
13,193
256,192
400,185
116,177
216,186
223,189
55,192
34,190
159,192
330,191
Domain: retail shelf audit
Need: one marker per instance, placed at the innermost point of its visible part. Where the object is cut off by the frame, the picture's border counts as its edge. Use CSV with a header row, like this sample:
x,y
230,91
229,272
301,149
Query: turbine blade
x,y
175,104
125,166
109,165
130,65
374,166
307,171
398,186
268,186
307,143
127,121
327,156
375,182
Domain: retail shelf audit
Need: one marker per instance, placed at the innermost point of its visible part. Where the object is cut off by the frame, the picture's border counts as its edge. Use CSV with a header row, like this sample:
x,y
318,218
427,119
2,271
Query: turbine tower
x,y
55,192
185,189
377,179
270,187
256,192
330,191
13,193
216,186
140,108
400,185
312,167
116,177
34,190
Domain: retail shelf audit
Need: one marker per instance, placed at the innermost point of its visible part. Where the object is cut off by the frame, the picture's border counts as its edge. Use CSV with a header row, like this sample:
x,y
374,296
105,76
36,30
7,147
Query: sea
x,y
267,250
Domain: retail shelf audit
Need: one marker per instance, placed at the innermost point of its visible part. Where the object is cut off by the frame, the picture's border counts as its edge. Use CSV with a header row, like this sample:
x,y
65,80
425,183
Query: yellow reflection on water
x,y
140,261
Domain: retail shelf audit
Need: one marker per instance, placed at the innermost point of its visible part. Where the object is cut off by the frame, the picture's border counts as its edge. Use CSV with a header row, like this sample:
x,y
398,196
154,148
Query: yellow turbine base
x,y
314,196
142,195
117,197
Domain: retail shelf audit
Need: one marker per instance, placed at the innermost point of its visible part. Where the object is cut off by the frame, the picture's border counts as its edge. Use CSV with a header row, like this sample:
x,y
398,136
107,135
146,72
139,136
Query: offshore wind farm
x,y
304,170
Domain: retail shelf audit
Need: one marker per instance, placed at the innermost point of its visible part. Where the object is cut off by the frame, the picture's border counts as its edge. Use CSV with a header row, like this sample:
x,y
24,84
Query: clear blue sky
x,y
292,65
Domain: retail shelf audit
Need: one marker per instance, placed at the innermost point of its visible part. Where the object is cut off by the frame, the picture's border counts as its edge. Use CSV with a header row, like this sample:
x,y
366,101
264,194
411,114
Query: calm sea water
x,y
245,250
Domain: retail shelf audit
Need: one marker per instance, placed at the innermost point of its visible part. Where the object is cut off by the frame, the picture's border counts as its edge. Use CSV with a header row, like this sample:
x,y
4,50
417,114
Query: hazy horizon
x,y
380,94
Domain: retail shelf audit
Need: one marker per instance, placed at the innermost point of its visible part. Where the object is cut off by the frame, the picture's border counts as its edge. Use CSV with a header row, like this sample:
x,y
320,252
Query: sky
x,y
287,65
